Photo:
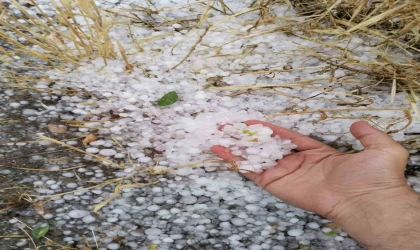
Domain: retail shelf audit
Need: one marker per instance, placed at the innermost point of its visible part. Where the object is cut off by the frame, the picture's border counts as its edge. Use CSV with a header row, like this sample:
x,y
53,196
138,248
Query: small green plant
x,y
302,246
248,132
332,233
168,99
40,230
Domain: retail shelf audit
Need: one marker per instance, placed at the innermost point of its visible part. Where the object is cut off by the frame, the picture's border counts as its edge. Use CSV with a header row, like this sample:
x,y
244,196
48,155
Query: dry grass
x,y
392,28
42,38
396,19
392,25
16,198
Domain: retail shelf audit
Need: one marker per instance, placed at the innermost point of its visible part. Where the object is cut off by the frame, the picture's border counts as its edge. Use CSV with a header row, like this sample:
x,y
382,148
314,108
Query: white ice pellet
x,y
194,151
107,152
295,232
272,219
252,207
76,214
237,152
293,220
265,131
112,219
140,199
330,138
92,150
177,25
254,144
168,240
338,238
153,208
252,151
189,199
88,219
113,246
225,217
225,225
119,155
252,198
238,222
153,231
154,67
14,104
175,210
199,95
254,158
157,189
255,247
38,183
118,211
163,212
144,159
71,185
313,225
68,174
48,216
29,112
59,201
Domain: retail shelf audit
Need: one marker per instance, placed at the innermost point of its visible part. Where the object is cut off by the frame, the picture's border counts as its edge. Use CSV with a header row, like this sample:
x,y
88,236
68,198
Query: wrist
x,y
378,219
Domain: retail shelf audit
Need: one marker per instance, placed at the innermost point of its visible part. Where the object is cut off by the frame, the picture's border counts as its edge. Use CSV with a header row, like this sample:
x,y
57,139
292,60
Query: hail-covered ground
x,y
155,184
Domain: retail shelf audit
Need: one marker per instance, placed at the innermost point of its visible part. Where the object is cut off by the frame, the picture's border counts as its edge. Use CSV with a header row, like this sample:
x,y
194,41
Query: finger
x,y
302,142
372,138
284,167
225,154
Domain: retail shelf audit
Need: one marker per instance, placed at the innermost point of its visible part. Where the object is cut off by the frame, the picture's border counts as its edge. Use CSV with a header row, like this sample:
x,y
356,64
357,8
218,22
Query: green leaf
x,y
248,132
301,245
40,230
332,233
168,99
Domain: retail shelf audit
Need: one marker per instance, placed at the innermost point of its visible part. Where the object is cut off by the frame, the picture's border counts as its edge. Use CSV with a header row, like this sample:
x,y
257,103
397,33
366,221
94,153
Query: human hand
x,y
342,187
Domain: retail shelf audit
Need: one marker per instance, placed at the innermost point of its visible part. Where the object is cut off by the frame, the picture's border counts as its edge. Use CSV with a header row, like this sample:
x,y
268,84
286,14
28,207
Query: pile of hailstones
x,y
255,144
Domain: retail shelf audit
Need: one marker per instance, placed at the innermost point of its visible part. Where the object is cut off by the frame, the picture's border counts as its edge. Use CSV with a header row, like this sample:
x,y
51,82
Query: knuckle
x,y
261,181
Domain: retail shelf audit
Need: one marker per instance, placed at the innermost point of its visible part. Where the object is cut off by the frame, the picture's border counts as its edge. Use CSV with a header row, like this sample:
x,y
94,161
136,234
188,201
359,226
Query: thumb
x,y
372,138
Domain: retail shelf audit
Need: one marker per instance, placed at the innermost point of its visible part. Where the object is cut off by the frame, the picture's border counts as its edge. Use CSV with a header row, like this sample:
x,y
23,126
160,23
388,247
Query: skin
x,y
365,193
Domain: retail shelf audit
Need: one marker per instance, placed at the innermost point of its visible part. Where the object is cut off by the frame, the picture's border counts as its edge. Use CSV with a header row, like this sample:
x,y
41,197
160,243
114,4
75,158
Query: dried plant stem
x,y
29,236
192,48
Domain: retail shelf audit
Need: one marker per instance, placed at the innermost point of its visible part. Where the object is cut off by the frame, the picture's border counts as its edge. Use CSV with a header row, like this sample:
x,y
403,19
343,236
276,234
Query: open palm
x,y
326,181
